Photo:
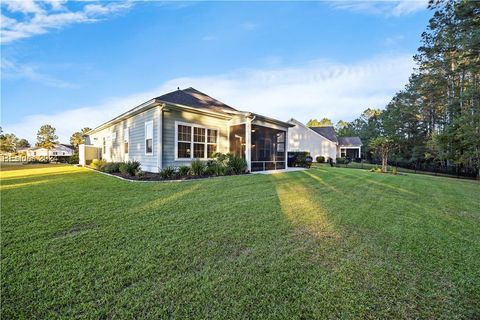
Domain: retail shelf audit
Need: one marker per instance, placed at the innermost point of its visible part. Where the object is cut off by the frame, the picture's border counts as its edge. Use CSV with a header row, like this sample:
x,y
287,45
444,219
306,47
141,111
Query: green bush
x,y
74,159
394,171
236,164
111,167
320,159
183,171
140,175
167,172
98,164
129,167
215,168
342,161
197,167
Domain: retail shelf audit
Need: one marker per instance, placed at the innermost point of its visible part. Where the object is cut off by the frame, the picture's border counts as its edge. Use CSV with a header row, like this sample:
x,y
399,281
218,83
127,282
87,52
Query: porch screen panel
x,y
268,148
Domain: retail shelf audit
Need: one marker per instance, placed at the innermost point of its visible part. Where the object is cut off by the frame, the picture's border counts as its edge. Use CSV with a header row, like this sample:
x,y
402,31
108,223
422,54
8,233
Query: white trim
x,y
126,139
159,138
192,125
248,144
268,125
147,123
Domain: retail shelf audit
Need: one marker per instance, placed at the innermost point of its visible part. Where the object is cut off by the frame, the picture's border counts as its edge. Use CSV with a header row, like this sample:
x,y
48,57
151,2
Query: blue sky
x,y
76,64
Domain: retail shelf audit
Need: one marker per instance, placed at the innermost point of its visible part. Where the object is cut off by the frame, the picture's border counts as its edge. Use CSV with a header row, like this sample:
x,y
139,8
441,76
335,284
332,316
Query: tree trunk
x,y
384,164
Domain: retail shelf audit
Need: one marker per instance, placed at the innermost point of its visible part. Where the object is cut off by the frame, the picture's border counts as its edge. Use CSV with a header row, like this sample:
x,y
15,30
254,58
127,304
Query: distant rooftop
x,y
349,142
327,132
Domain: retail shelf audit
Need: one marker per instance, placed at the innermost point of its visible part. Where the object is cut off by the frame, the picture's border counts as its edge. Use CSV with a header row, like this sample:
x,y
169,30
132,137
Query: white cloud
x,y
38,18
318,89
388,8
12,69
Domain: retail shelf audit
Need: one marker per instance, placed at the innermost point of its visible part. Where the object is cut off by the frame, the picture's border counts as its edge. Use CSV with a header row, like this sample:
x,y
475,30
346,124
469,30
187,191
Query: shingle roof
x,y
193,98
327,132
349,141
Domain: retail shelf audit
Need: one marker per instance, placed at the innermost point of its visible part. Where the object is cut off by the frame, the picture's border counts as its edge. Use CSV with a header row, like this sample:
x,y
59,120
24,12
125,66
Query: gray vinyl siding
x,y
136,147
169,119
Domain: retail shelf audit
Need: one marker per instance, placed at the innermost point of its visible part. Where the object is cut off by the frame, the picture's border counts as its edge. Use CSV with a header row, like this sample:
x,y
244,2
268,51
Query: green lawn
x,y
322,243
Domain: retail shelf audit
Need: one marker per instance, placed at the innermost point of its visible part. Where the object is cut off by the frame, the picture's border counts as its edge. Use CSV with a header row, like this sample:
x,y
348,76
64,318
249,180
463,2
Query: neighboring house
x,y
322,141
58,150
177,127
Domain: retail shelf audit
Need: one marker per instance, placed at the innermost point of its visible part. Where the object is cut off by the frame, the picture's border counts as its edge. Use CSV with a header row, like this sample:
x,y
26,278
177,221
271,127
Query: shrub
x,y
183,171
320,159
140,174
167,172
236,165
129,167
197,167
74,159
394,171
215,168
98,164
111,167
342,161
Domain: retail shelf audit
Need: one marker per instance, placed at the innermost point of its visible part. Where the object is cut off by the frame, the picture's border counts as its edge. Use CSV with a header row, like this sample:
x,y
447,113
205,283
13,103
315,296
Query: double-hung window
x,y
211,142
194,141
149,137
184,144
125,140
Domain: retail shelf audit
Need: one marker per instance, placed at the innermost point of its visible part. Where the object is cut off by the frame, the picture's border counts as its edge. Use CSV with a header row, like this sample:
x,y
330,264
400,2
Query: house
x,y
322,141
58,150
177,127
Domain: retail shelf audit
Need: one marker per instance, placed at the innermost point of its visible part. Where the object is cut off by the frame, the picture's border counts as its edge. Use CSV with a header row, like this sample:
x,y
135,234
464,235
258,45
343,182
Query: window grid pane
x,y
199,150
212,136
211,149
148,146
184,150
198,134
184,133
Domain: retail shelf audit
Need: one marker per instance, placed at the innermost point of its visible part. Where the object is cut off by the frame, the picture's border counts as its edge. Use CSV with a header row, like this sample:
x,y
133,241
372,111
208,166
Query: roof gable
x,y
327,132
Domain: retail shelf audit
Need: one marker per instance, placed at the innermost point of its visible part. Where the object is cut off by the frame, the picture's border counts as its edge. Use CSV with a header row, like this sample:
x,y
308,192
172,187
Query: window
x,y
211,142
196,141
184,141
114,136
104,146
63,153
55,153
125,140
149,137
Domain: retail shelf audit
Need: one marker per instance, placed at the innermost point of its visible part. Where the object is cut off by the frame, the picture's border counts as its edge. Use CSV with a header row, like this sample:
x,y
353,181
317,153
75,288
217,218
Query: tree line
x,y
46,138
436,117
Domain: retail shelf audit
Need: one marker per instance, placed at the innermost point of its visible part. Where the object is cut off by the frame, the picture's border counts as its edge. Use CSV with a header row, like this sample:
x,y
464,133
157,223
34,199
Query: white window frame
x,y
192,125
148,123
126,139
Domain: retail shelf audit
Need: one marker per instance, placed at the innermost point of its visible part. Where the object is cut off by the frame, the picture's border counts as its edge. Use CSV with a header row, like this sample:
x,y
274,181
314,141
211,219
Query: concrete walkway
x,y
279,171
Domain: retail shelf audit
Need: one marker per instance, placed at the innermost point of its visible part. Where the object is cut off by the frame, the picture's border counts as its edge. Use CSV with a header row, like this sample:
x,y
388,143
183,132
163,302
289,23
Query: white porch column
x,y
248,143
81,155
360,152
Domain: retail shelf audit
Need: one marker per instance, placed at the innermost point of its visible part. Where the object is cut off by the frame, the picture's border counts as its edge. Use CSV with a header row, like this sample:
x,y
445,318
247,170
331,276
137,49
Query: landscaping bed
x,y
219,165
